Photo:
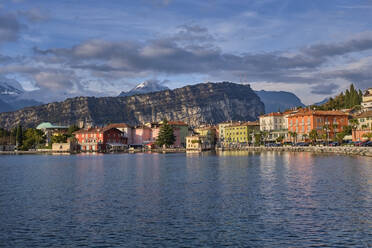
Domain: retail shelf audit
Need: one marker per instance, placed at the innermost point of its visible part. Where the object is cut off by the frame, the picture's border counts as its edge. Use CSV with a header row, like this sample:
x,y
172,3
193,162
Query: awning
x,y
116,144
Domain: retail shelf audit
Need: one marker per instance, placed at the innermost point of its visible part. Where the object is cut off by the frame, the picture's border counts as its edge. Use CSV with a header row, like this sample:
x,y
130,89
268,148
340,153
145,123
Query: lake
x,y
233,199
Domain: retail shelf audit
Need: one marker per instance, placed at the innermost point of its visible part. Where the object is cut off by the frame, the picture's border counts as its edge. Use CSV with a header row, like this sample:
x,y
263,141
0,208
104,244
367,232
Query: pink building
x,y
141,135
176,133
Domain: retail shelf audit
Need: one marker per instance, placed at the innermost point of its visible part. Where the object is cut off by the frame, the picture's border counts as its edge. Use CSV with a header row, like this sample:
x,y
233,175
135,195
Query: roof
x,y
177,123
119,125
48,125
96,130
206,128
272,114
364,114
321,112
251,123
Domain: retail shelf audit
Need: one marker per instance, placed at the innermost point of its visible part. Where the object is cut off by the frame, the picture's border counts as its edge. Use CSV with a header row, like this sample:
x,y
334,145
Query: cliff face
x,y
196,104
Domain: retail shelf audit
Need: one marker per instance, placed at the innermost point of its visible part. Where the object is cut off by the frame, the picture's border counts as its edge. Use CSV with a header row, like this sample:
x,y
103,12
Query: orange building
x,y
331,122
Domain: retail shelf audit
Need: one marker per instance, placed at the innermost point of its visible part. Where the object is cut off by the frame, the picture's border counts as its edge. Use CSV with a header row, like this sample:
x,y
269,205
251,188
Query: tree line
x,y
351,98
32,138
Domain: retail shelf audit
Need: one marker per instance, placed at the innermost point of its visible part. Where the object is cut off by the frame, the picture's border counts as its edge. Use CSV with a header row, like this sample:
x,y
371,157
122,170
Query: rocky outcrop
x,y
196,104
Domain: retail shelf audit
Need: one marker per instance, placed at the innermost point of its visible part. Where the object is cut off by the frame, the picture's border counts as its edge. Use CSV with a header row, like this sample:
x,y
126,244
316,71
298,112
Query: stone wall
x,y
347,150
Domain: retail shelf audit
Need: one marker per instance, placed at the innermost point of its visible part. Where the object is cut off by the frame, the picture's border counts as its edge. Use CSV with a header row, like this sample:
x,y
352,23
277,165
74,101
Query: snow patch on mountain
x,y
145,87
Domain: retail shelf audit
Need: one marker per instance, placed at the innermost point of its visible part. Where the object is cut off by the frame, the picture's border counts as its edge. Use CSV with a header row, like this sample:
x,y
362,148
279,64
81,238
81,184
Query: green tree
x,y
340,137
354,123
166,136
32,139
367,135
280,139
19,136
258,138
313,136
71,130
59,138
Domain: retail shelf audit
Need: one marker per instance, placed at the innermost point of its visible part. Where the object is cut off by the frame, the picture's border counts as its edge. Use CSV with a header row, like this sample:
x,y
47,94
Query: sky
x,y
61,48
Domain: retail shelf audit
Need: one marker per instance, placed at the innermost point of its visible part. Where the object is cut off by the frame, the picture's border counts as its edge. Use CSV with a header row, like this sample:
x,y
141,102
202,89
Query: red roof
x,y
96,130
321,112
177,123
272,114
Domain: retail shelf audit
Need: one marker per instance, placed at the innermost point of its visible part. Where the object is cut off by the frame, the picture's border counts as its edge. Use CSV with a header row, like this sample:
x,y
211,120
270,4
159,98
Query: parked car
x,y
302,144
360,143
287,143
368,143
334,144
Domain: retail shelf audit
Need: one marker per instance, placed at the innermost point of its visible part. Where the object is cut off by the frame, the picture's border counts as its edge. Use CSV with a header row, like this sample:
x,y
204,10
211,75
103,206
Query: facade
x,y
125,128
65,147
364,126
273,121
324,122
209,132
197,143
221,130
100,139
141,135
50,130
275,125
182,132
241,132
367,100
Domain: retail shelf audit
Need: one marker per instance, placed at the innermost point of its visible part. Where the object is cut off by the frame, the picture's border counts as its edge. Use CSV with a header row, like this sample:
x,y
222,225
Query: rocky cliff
x,y
196,104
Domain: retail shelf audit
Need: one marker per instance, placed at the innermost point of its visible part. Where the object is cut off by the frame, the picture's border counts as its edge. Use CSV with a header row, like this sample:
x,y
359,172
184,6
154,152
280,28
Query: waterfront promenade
x,y
345,150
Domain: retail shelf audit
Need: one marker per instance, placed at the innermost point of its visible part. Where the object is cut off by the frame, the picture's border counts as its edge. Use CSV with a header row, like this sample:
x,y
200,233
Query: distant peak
x,y
147,86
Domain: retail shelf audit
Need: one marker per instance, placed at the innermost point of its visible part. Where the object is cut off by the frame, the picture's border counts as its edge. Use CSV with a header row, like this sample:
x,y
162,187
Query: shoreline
x,y
341,150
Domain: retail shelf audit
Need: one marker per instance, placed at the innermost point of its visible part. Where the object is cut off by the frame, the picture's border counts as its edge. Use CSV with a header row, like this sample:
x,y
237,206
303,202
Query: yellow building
x,y
222,130
208,132
240,132
197,143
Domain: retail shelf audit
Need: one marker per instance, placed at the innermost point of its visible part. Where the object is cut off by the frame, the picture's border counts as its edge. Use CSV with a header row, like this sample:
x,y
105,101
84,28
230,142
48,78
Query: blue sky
x,y
66,48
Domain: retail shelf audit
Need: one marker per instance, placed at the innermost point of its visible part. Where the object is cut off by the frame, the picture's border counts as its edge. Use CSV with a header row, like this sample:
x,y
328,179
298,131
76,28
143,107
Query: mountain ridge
x,y
279,100
193,104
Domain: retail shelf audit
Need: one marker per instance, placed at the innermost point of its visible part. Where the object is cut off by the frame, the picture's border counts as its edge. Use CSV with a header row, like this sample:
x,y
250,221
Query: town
x,y
295,127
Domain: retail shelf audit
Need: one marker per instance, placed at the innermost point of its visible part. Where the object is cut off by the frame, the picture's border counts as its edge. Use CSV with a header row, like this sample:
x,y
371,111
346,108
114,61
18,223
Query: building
x,y
197,143
141,135
367,100
125,128
50,130
324,122
70,146
182,133
240,132
208,136
275,125
100,139
364,126
221,130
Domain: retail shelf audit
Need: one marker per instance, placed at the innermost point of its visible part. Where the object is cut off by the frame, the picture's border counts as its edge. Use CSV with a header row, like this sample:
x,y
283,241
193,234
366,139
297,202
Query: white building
x,y
367,100
273,122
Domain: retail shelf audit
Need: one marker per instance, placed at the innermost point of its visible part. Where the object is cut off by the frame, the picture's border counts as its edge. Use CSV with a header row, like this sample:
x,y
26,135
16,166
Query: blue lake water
x,y
233,199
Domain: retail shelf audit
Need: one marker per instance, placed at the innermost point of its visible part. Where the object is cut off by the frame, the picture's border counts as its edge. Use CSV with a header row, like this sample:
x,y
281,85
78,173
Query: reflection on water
x,y
199,199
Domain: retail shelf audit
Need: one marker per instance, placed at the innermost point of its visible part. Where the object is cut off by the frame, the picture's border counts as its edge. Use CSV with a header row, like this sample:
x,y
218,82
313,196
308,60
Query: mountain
x,y
195,104
278,100
325,100
11,96
10,88
145,87
5,107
